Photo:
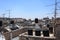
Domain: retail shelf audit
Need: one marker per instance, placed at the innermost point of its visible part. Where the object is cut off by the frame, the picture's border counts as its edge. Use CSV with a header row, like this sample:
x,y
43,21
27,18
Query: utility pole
x,y
3,16
9,14
55,15
55,9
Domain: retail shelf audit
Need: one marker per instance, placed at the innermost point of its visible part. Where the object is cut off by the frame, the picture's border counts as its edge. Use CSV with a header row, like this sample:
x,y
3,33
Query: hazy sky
x,y
27,8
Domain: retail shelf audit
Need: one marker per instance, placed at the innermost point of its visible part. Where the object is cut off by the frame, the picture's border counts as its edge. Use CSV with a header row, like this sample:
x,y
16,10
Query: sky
x,y
28,9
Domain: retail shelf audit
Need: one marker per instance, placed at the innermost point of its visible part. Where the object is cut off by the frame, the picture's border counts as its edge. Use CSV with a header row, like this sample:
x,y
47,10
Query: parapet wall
x,y
20,31
15,33
35,38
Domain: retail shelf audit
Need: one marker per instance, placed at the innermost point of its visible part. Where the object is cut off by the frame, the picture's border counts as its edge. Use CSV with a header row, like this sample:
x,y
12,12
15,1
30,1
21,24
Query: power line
x,y
56,7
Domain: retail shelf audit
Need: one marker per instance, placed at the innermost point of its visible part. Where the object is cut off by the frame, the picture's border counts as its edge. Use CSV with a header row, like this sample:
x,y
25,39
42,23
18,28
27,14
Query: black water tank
x,y
11,22
46,33
36,20
48,25
38,32
51,29
30,32
0,23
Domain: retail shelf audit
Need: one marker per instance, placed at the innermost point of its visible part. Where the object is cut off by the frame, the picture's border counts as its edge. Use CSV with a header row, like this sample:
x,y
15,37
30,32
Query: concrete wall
x,y
17,32
7,35
14,33
35,38
57,31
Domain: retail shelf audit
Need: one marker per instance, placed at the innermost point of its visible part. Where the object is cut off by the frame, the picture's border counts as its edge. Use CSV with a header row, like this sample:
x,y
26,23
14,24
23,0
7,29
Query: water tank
x,y
45,30
51,29
36,20
30,31
48,25
11,22
0,23
46,33
38,32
